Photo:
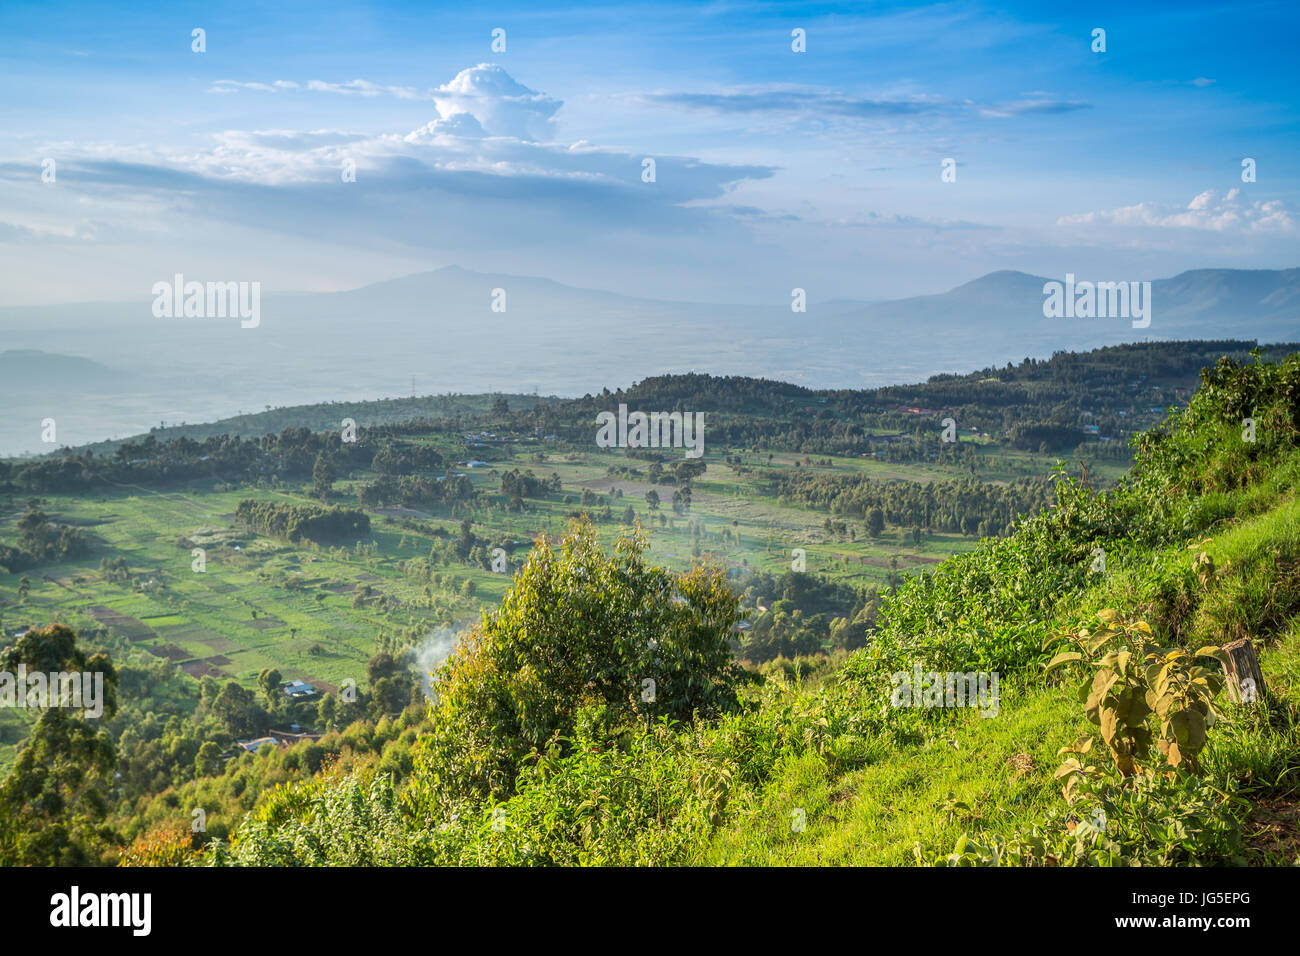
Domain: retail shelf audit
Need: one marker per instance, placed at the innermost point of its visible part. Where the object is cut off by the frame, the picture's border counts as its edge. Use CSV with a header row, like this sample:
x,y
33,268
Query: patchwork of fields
x,y
315,613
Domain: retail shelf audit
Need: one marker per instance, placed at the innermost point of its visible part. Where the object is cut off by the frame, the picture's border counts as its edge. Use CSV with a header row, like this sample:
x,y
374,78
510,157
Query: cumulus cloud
x,y
485,93
500,104
287,139
1209,210
483,170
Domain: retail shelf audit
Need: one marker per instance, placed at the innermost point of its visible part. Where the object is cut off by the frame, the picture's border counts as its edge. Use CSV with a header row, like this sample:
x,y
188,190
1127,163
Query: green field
x,y
245,573
842,540
262,602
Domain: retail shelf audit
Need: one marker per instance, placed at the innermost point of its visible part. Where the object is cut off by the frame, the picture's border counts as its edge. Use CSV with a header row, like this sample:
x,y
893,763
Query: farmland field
x,y
314,612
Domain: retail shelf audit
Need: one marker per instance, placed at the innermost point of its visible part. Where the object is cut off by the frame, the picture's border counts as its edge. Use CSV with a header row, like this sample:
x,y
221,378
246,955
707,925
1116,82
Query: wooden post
x,y
1245,679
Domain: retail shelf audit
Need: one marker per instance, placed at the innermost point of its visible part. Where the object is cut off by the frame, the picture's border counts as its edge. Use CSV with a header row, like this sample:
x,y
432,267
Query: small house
x,y
256,744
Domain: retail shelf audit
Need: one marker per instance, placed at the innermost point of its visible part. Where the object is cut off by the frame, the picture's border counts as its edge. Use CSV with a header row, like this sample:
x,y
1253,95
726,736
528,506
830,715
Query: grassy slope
x,y
873,781
876,815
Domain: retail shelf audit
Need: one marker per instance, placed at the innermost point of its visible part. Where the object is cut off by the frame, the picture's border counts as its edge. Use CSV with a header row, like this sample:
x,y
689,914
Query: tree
x,y
322,476
236,708
467,540
207,762
383,665
269,682
652,499
391,684
54,649
208,690
54,801
326,711
690,468
875,522
629,515
579,628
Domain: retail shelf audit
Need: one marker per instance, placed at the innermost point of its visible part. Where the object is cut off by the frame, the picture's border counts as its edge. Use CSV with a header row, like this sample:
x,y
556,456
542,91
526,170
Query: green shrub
x,y
578,627
1152,819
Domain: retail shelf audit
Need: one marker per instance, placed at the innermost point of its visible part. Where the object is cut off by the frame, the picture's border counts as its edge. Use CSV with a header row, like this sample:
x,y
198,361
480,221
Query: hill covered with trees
x,y
674,688
539,757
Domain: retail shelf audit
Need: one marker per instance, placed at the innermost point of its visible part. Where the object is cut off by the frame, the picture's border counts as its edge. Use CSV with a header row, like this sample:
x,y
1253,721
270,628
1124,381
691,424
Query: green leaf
x,y
1064,658
1080,746
1070,766
1110,725
1215,653
1188,727
1122,660
1095,643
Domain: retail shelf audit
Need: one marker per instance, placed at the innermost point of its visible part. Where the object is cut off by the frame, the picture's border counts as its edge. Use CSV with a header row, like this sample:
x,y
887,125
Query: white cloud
x,y
482,171
498,103
1208,210
487,122
502,106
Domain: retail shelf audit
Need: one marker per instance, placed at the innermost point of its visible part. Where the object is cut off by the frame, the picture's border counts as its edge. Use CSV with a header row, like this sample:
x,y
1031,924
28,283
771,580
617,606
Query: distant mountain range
x,y
437,332
1002,313
28,369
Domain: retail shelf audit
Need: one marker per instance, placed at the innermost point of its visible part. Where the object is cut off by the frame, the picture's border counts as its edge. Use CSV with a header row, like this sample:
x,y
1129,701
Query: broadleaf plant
x,y
1135,678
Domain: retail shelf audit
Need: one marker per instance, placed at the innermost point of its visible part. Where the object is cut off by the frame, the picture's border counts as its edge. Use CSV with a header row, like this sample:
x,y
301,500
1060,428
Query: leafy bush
x,y
1133,679
578,627
543,749
1152,819
355,821
296,522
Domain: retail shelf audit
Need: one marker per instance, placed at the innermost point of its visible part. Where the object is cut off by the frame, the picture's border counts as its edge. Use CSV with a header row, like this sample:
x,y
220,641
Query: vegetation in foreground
x,y
596,717
543,752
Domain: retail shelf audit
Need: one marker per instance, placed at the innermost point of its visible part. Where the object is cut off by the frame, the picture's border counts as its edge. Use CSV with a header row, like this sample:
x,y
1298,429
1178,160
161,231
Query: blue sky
x,y
774,169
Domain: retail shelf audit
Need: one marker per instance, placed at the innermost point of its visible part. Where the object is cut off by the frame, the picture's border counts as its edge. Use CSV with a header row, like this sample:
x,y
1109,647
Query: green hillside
x,y
540,759
658,660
